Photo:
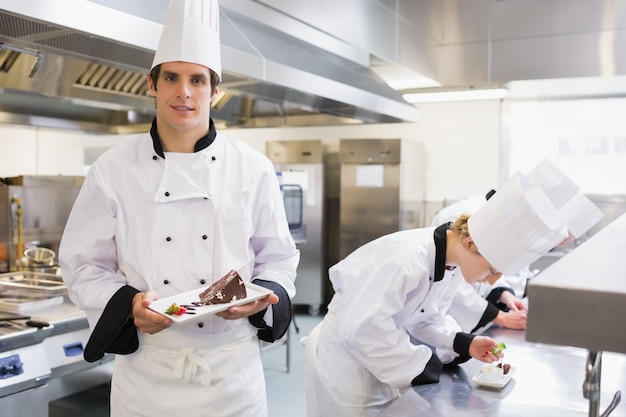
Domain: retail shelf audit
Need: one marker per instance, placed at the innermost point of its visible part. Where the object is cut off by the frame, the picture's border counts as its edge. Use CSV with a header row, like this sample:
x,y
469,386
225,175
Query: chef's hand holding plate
x,y
146,320
482,348
244,310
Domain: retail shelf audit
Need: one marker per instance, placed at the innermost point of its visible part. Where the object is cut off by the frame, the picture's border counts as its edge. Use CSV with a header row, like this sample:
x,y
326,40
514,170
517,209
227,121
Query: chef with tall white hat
x,y
386,327
477,305
172,211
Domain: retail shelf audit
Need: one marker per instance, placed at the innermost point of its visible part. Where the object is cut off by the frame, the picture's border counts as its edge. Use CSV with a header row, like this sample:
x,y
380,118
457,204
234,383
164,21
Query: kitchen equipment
x,y
545,384
300,170
64,346
24,372
37,256
40,259
26,291
33,212
42,300
375,197
591,292
37,289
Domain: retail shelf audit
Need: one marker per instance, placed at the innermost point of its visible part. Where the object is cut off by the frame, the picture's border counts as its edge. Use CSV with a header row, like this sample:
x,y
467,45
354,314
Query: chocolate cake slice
x,y
505,368
228,288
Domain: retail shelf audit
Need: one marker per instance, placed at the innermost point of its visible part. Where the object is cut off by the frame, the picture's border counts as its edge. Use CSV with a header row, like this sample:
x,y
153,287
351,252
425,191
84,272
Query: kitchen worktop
x,y
573,302
547,382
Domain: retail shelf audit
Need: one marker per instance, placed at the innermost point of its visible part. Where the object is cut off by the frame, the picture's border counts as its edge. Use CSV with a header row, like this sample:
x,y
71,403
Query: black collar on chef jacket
x,y
440,250
201,144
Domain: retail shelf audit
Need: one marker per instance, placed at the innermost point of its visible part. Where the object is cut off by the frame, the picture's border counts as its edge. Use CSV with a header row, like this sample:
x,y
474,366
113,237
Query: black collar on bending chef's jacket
x,y
201,144
440,250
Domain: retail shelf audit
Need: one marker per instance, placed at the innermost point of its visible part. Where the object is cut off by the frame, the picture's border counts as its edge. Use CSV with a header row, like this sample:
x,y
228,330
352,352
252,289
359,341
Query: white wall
x,y
462,142
463,147
28,150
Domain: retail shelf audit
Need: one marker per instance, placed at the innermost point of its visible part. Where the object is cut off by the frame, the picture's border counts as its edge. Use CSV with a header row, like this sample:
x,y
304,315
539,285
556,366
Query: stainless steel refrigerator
x,y
382,189
300,170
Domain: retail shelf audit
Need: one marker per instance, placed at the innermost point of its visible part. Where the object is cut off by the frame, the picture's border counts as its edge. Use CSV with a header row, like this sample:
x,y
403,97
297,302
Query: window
x,y
585,138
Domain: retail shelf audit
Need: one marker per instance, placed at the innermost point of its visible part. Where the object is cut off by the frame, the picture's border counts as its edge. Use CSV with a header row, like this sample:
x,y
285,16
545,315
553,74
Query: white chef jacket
x,y
469,305
174,224
361,355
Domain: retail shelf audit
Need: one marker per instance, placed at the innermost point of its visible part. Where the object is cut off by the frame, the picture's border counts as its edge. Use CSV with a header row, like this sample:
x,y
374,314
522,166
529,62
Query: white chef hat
x,y
557,186
191,33
516,226
580,214
453,211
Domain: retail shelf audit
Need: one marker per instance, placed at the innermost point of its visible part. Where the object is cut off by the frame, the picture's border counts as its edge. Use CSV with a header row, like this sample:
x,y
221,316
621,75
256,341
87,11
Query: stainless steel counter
x,y
547,382
590,286
70,373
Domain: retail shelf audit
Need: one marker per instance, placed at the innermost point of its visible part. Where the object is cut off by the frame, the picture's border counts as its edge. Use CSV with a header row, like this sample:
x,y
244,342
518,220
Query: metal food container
x,y
38,256
26,291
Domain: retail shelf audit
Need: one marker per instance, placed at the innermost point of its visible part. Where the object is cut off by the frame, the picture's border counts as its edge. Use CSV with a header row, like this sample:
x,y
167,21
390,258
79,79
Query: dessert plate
x,y
478,378
254,292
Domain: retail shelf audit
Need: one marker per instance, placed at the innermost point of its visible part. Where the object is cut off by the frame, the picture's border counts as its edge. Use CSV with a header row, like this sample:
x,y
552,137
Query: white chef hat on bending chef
x,y
191,33
516,226
579,213
557,186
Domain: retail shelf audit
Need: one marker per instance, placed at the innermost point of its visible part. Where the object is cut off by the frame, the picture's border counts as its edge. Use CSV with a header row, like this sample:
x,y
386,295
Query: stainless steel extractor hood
x,y
81,64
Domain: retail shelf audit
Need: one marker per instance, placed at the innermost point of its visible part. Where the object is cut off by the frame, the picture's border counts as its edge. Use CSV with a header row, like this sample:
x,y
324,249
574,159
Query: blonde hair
x,y
460,226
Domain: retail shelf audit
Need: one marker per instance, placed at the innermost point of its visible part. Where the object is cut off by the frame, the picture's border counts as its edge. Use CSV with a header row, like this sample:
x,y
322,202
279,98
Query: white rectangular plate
x,y
505,379
254,291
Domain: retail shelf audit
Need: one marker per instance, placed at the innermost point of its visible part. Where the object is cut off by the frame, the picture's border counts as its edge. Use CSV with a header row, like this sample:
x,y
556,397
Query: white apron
x,y
218,375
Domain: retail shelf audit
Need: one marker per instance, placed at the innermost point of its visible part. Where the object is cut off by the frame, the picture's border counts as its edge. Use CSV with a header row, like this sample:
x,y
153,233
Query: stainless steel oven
x,y
42,298
24,370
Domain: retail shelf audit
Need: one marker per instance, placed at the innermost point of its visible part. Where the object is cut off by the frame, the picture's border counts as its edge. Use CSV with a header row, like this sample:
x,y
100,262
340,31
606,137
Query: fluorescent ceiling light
x,y
564,88
459,95
400,78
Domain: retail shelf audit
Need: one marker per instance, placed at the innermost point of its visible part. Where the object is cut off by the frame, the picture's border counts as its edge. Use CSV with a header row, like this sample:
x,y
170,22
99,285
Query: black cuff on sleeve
x,y
495,294
282,314
115,332
461,346
432,372
489,315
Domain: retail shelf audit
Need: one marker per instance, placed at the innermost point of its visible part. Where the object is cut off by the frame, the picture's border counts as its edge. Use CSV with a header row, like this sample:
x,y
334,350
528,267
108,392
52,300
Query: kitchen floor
x,y
285,390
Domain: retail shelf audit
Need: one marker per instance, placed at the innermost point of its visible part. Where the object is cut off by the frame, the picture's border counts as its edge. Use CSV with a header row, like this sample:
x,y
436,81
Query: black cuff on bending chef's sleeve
x,y
461,346
115,332
489,315
495,295
282,313
432,372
